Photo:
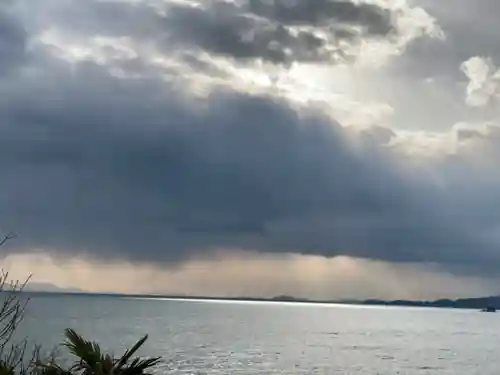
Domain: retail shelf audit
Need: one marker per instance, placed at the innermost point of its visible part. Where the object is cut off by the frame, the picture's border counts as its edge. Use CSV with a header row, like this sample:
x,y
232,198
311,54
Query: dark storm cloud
x,y
12,41
180,179
133,166
121,168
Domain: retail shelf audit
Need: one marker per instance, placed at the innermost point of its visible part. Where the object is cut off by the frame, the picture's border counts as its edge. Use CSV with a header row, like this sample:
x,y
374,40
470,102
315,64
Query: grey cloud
x,y
137,168
325,13
268,30
12,41
485,136
468,134
242,36
477,135
377,135
279,31
471,30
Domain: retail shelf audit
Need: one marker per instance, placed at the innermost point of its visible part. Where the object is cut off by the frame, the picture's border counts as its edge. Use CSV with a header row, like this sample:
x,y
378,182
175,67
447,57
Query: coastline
x,y
462,303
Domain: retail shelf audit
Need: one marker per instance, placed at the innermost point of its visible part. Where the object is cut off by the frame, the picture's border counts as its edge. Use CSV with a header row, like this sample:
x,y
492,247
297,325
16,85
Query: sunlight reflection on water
x,y
221,337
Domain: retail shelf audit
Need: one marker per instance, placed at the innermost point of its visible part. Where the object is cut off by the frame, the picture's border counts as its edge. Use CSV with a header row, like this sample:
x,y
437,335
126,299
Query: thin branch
x,y
9,236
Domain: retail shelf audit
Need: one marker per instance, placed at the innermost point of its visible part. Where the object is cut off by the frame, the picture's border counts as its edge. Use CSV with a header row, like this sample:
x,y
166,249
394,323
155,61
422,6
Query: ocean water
x,y
202,337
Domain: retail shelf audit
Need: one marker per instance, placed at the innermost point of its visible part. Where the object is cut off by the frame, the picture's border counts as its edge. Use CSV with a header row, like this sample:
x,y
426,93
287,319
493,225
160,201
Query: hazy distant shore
x,y
463,303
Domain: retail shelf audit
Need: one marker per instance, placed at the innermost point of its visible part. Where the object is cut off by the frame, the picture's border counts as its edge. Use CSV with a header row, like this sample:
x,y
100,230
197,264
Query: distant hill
x,y
464,303
50,288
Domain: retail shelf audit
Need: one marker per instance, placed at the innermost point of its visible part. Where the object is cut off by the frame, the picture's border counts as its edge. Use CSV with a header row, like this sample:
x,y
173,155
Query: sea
x,y
237,337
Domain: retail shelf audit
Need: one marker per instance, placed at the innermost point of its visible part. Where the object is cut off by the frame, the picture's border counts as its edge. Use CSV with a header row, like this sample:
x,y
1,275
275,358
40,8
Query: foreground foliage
x,y
90,360
87,356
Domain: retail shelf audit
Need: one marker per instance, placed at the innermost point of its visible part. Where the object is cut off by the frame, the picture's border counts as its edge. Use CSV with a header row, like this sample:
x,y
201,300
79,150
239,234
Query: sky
x,y
319,148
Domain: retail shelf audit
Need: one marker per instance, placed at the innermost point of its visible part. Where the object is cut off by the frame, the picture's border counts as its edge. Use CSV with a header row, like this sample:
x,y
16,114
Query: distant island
x,y
461,303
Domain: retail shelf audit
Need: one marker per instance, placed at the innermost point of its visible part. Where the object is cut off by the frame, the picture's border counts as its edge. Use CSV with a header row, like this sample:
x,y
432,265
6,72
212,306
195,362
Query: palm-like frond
x,y
93,362
130,352
86,350
89,353
139,365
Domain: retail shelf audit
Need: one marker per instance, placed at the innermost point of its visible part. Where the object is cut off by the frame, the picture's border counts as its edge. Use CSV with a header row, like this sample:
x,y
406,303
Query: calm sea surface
x,y
197,337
